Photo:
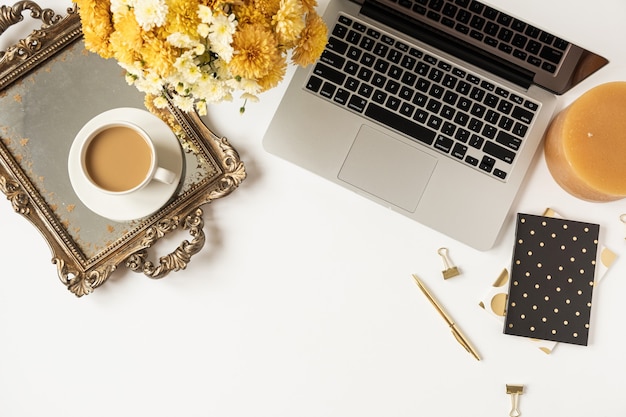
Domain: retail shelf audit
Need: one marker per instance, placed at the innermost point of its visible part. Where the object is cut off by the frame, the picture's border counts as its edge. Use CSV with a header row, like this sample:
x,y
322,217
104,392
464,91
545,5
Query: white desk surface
x,y
302,302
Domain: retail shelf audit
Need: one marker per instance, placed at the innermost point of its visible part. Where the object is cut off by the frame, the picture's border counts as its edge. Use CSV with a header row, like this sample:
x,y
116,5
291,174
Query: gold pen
x,y
455,331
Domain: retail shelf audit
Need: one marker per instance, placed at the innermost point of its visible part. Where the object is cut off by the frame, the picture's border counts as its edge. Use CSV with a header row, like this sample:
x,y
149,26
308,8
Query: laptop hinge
x,y
447,43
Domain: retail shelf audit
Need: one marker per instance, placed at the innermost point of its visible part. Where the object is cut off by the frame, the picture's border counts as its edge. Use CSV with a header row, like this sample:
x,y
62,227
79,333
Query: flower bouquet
x,y
203,51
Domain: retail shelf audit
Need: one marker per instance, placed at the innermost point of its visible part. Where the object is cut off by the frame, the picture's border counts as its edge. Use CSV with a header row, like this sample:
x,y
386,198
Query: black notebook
x,y
552,279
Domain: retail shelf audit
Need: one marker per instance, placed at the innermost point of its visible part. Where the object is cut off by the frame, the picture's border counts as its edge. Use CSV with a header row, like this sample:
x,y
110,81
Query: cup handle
x,y
163,175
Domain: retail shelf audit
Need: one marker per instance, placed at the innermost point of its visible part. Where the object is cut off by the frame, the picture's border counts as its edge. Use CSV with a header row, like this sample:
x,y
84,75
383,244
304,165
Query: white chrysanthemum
x,y
203,30
205,13
180,40
211,89
130,78
224,50
150,13
136,68
250,97
183,41
222,25
150,83
185,103
247,85
160,102
180,87
201,107
221,70
221,30
119,5
188,70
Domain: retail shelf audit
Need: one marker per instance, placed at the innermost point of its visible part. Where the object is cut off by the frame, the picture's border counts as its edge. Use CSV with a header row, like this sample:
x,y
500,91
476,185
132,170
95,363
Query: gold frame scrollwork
x,y
80,274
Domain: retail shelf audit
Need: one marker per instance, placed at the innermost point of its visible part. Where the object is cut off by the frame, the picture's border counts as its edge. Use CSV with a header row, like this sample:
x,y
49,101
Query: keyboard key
x,y
407,109
314,83
400,124
393,103
560,44
351,68
357,104
499,173
420,99
328,73
345,20
380,49
499,152
340,31
352,84
328,90
353,37
367,43
471,160
359,27
337,45
342,96
365,90
487,163
332,59
459,150
462,135
444,144
532,31
551,54
378,80
522,115
476,141
508,140
379,96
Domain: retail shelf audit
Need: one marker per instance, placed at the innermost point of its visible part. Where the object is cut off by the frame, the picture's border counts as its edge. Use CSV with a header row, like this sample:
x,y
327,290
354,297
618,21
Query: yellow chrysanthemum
x,y
267,7
309,5
97,26
275,74
158,55
247,14
255,52
126,40
182,17
289,21
312,41
213,4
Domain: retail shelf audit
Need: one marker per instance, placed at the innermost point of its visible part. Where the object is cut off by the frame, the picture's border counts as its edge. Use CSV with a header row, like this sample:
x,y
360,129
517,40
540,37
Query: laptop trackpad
x,y
387,168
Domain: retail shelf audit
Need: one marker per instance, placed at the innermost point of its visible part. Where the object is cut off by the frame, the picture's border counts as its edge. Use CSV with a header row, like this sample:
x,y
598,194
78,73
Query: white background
x,y
302,303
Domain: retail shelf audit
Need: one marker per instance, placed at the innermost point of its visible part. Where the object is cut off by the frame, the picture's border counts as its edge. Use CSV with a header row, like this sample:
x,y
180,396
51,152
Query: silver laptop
x,y
433,108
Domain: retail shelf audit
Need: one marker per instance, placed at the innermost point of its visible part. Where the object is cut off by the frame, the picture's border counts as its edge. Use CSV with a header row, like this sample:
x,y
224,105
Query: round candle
x,y
585,144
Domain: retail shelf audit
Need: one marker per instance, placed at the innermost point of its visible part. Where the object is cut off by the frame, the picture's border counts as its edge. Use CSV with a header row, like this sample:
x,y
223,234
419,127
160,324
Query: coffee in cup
x,y
120,158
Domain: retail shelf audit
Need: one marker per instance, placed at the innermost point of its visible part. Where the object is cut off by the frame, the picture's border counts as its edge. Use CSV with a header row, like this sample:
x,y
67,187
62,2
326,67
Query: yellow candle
x,y
585,145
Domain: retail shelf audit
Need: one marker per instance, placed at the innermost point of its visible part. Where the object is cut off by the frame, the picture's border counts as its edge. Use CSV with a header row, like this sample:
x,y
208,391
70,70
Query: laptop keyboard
x,y
436,103
483,25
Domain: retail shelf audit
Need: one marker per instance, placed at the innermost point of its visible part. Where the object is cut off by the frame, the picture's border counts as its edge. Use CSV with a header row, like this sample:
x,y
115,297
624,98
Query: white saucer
x,y
141,203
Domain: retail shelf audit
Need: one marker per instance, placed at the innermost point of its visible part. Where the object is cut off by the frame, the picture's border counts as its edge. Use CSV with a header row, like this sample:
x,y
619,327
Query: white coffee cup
x,y
120,158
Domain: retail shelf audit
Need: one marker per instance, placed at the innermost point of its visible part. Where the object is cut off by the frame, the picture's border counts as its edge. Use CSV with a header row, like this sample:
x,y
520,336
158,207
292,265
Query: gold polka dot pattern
x,y
552,279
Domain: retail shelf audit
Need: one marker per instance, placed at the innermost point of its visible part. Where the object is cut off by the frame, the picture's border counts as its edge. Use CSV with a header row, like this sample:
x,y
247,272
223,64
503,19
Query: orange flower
x,y
255,52
97,25
275,74
312,41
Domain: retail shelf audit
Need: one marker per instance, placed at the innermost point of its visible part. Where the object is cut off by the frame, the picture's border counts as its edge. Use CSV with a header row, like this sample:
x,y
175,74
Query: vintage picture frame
x,y
49,87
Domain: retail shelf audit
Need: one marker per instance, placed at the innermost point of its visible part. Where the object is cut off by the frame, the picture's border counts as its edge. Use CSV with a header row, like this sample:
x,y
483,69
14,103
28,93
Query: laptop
x,y
432,108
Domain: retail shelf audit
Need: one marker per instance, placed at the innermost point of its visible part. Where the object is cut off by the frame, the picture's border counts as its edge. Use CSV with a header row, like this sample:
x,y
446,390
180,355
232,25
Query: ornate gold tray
x,y
50,86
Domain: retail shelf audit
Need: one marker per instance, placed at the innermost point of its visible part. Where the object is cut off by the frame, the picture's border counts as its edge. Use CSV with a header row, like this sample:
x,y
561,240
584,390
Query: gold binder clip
x,y
514,391
451,270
